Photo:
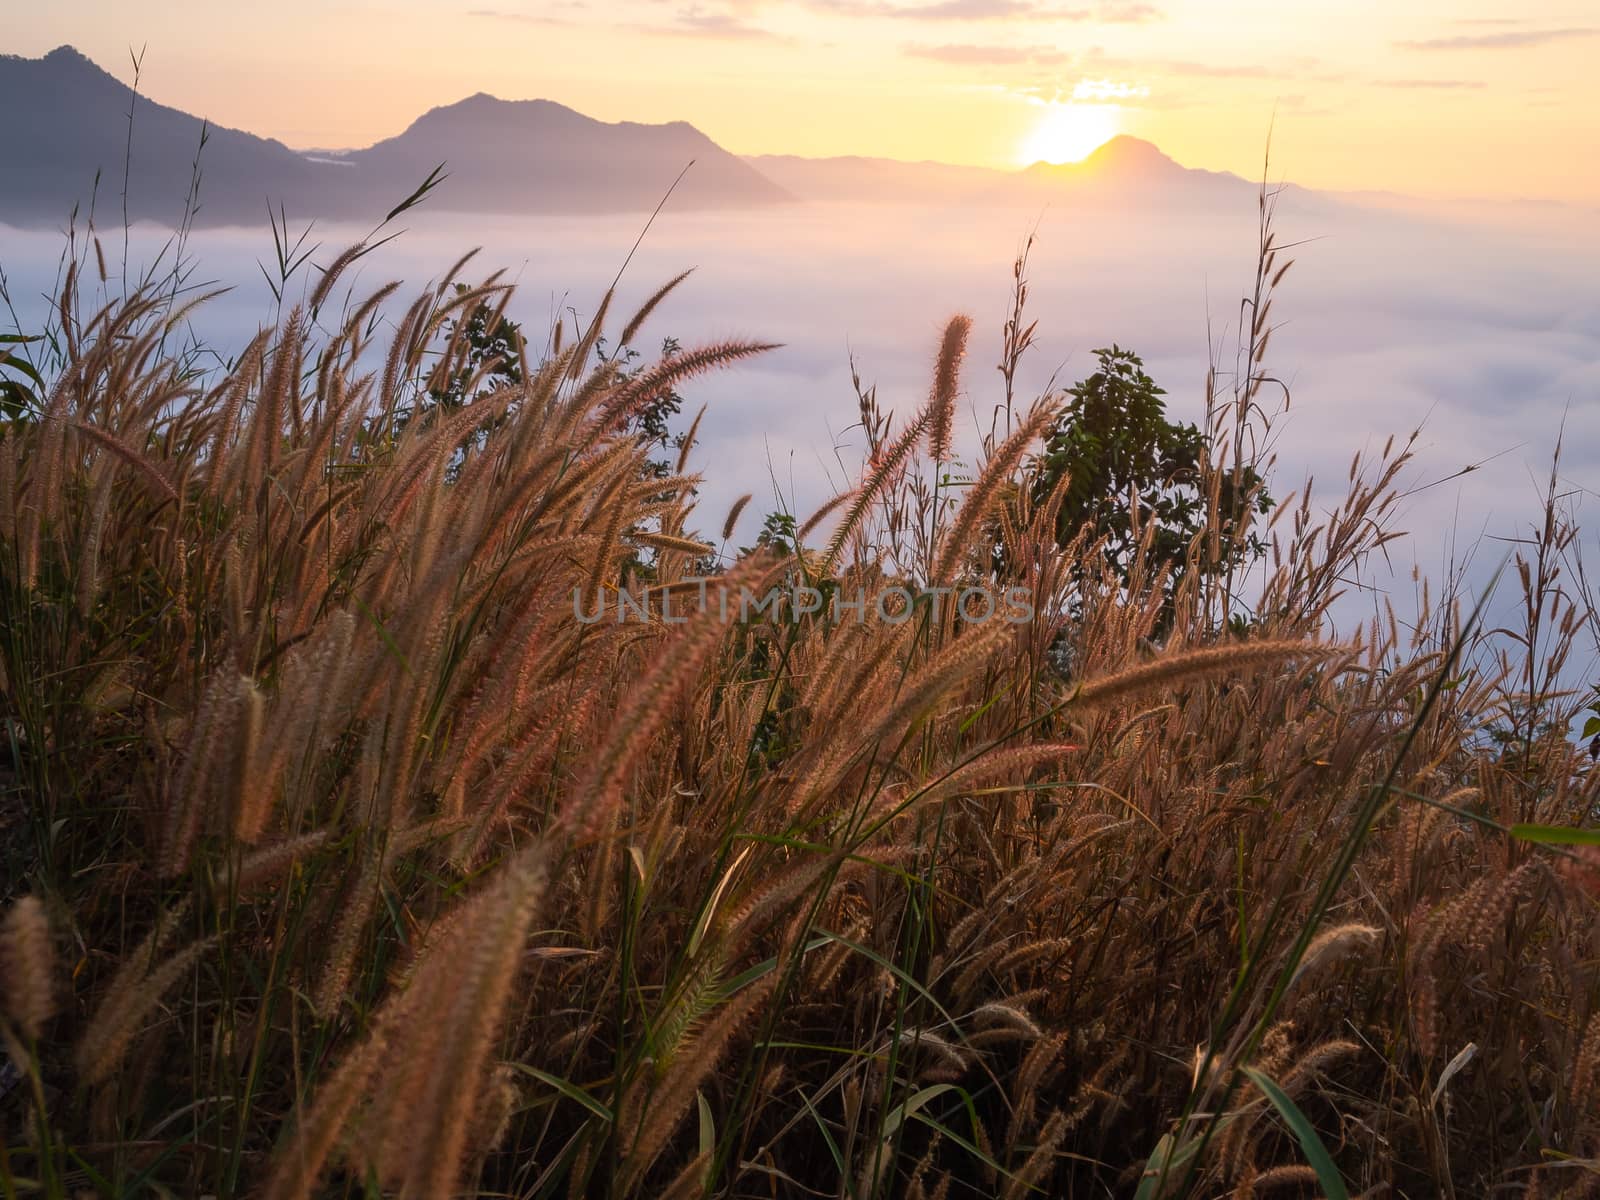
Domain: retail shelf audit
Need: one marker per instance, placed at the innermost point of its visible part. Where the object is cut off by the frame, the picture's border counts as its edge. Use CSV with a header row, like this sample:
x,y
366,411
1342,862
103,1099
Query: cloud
x,y
697,22
1295,67
1207,70
1167,84
1108,91
694,21
1307,106
521,18
1511,39
1299,69
1445,85
992,56
1127,14
961,10
1494,330
1112,12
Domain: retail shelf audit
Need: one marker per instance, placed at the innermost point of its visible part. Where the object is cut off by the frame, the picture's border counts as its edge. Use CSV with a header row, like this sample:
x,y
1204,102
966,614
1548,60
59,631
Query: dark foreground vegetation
x,y
344,859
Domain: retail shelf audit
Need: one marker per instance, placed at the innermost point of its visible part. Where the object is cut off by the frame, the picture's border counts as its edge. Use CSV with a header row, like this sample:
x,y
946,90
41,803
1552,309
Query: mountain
x,y
1122,162
1125,170
536,155
77,127
500,156
1129,170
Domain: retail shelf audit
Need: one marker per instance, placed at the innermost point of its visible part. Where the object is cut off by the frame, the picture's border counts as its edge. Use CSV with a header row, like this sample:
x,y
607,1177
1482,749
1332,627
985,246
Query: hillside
x,y
536,155
1125,169
77,133
501,156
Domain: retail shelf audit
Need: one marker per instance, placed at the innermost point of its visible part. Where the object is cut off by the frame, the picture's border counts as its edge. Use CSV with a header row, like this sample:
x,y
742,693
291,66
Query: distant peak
x,y
483,108
68,67
1126,148
481,112
70,56
486,100
1121,155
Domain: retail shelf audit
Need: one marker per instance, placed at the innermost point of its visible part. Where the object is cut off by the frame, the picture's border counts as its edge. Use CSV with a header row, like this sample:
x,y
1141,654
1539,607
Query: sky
x,y
1483,98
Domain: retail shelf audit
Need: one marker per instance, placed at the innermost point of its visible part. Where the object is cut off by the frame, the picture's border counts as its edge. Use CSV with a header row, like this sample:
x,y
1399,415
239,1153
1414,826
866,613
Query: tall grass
x,y
350,861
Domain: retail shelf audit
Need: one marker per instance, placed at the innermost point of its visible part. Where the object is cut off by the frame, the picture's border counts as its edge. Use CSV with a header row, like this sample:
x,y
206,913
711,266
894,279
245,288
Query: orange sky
x,y
1455,97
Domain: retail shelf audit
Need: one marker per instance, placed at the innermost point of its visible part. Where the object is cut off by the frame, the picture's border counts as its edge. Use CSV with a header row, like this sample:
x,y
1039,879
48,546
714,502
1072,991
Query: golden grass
x,y
380,872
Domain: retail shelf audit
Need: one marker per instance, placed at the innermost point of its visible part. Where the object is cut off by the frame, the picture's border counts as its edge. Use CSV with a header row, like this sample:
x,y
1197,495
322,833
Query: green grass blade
x,y
1556,835
1316,1153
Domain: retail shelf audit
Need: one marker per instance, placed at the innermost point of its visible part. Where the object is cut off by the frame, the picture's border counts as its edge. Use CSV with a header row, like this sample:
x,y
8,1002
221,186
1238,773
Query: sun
x,y
1069,133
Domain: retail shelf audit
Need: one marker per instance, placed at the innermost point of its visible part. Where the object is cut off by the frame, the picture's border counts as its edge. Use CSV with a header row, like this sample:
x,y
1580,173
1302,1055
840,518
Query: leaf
x,y
434,179
827,1137
710,909
708,1124
570,1090
909,1106
903,976
16,401
967,1144
9,360
637,856
1556,835
1462,1058
1164,1159
1316,1153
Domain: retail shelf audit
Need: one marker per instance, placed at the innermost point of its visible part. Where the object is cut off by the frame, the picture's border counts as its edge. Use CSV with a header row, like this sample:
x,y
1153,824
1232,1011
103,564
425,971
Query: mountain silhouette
x,y
540,156
1126,170
1123,156
532,156
1129,171
71,147
500,156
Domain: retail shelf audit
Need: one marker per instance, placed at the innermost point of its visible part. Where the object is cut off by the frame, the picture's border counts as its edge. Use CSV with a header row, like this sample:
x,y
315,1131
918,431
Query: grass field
x,y
346,858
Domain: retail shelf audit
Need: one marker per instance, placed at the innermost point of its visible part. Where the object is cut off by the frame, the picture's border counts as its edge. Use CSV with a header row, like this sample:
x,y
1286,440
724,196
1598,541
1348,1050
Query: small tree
x,y
492,339
19,398
1131,471
491,360
651,425
652,422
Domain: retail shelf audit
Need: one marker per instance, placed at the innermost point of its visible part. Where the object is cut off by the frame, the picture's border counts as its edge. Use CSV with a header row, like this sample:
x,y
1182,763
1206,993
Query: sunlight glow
x,y
1069,133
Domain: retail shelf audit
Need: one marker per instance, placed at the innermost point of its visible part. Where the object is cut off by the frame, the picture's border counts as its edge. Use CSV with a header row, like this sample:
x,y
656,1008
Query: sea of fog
x,y
1481,330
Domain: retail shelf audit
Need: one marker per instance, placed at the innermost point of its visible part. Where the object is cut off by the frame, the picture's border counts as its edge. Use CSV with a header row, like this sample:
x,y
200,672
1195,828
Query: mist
x,y
1481,329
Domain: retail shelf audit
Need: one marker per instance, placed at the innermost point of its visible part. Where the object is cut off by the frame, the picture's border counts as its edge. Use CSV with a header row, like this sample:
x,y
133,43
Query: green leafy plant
x,y
1130,473
20,380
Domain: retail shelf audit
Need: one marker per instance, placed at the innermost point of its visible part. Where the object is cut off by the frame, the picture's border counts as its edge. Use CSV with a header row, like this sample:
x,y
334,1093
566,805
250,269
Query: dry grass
x,y
370,869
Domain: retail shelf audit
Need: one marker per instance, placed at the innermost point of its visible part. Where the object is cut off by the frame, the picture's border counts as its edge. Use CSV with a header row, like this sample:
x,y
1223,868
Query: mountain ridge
x,y
73,151
500,156
1125,168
